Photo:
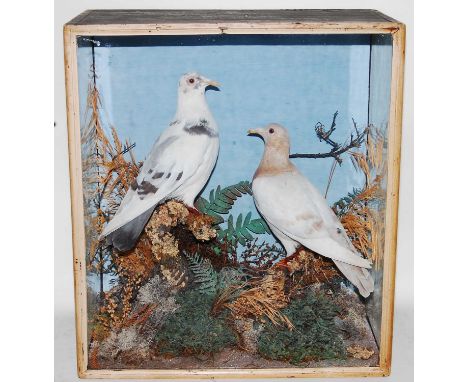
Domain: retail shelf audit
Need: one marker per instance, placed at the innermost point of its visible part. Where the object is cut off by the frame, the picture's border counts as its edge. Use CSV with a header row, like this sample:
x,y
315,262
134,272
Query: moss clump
x,y
314,337
192,330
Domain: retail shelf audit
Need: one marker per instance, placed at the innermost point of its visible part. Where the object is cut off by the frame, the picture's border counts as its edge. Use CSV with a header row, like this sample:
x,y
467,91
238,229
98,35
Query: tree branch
x,y
336,149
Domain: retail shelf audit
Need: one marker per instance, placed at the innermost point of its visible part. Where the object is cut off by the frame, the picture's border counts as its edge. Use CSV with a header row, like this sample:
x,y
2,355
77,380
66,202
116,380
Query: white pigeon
x,y
178,166
298,214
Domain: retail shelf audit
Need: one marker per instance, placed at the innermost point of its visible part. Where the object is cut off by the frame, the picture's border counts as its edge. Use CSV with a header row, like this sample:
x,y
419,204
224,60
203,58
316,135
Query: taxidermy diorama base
x,y
186,300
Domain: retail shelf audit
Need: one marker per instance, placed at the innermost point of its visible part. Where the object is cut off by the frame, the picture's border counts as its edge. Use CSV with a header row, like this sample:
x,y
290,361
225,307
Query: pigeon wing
x,y
173,160
290,203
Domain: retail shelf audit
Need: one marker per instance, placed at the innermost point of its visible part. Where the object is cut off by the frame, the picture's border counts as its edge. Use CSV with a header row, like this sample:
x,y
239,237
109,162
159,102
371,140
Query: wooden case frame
x,y
190,22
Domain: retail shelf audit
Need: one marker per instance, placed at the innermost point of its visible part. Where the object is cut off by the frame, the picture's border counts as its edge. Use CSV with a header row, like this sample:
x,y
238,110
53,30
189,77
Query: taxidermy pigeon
x,y
178,166
298,214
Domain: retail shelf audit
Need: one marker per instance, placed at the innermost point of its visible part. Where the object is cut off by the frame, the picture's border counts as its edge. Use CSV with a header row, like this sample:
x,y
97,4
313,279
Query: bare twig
x,y
336,149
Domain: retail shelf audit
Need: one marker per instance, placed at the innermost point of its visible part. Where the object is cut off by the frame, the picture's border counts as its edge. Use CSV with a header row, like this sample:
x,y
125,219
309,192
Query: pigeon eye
x,y
191,80
272,131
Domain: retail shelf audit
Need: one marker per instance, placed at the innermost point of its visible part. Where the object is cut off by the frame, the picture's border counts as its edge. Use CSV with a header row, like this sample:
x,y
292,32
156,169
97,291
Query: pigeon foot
x,y
285,262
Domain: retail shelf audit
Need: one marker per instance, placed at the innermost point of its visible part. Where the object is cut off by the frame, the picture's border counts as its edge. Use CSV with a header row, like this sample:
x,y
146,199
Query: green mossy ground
x,y
192,330
314,337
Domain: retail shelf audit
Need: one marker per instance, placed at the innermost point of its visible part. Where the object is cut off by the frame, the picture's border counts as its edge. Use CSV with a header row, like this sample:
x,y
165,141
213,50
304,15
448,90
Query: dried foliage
x,y
164,244
360,352
132,270
156,250
361,212
307,268
259,299
259,256
174,275
93,359
132,338
107,174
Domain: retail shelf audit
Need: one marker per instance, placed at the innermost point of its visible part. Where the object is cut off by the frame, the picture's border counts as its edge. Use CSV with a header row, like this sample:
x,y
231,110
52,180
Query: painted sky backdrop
x,y
296,81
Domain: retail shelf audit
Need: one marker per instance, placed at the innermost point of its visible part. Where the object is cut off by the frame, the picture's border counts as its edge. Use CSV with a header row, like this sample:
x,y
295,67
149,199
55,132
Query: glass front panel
x,y
258,259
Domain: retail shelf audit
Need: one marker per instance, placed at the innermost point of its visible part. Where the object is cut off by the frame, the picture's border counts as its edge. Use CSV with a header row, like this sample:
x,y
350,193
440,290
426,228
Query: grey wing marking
x,y
152,176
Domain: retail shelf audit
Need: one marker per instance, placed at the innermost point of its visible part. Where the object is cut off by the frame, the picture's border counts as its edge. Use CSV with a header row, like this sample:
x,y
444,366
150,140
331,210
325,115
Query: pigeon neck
x,y
192,105
275,160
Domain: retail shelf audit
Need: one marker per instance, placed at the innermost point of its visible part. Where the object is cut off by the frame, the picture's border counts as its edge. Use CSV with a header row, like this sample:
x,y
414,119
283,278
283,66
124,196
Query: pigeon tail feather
x,y
330,248
125,237
359,277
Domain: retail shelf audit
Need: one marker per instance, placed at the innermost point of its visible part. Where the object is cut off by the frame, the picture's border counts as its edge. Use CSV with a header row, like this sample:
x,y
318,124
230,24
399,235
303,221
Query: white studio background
x,y
402,10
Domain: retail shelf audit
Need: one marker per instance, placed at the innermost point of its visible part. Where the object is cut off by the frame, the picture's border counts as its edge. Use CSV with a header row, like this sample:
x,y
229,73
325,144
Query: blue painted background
x,y
293,80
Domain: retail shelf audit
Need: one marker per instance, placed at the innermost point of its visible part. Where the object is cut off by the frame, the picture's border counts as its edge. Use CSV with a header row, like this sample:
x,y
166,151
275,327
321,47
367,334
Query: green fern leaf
x,y
218,209
221,200
258,226
202,205
204,274
239,223
245,233
217,218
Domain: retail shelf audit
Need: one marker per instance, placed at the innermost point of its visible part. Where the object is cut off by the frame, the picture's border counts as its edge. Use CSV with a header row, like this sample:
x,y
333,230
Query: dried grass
x,y
363,218
260,299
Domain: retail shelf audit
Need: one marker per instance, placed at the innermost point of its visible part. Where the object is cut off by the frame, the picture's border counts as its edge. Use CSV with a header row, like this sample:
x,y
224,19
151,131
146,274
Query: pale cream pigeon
x,y
178,166
298,214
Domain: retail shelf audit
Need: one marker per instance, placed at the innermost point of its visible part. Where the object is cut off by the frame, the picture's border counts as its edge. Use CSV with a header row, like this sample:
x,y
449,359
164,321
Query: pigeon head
x,y
192,83
275,157
274,135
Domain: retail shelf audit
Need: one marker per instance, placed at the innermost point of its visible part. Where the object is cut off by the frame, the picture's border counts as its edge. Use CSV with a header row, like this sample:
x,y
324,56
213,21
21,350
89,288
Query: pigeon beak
x,y
212,83
216,84
254,132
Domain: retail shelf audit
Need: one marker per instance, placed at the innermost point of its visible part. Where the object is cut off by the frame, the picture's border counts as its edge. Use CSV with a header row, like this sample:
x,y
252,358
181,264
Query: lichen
x,y
201,227
248,331
169,215
164,243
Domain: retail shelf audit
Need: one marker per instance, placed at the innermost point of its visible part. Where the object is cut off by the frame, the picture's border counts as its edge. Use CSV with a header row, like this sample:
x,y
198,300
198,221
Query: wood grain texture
x,y
393,185
76,189
155,16
187,22
238,373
